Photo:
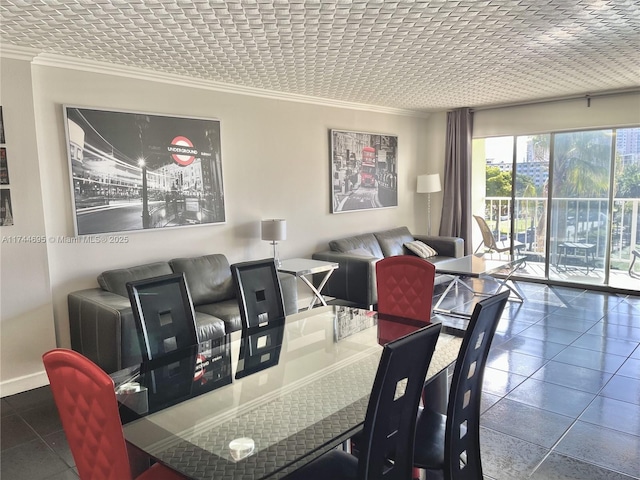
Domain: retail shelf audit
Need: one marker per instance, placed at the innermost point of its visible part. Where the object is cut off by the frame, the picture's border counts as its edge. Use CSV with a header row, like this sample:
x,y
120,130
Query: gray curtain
x,y
456,205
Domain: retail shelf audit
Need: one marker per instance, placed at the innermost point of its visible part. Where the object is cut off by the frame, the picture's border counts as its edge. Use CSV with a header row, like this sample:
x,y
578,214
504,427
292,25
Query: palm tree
x,y
581,168
582,164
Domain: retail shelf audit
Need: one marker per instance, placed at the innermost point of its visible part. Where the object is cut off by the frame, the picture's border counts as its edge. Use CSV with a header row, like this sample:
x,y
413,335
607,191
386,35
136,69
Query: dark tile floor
x,y
561,395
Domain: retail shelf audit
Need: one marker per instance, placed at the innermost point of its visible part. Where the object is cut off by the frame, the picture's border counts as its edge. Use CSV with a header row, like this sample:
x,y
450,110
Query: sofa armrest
x,y
445,246
354,280
100,324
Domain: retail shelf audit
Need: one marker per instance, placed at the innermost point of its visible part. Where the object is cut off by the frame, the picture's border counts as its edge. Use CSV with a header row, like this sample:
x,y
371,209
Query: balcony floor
x,y
619,279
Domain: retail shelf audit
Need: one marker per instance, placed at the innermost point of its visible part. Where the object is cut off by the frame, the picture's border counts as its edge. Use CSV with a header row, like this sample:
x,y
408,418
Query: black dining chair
x,y
164,315
451,443
165,320
389,424
259,292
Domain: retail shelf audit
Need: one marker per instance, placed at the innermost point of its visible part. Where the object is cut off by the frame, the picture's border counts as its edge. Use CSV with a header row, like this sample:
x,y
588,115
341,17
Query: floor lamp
x,y
429,183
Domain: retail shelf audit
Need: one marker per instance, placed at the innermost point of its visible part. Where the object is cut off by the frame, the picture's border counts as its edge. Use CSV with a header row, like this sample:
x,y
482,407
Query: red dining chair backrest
x,y
86,401
405,287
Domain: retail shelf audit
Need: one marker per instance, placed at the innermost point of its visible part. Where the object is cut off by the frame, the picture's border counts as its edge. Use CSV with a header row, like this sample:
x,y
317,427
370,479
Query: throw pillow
x,y
421,249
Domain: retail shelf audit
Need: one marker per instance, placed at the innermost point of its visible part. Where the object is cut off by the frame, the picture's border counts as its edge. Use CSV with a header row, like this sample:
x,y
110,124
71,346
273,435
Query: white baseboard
x,y
22,384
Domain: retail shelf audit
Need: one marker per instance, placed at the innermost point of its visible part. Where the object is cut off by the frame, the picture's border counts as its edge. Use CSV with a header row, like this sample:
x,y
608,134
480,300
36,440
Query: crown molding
x,y
93,66
14,52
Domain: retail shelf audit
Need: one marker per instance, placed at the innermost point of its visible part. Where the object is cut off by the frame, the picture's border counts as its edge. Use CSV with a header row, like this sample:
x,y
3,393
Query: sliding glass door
x,y
531,191
572,199
579,215
625,224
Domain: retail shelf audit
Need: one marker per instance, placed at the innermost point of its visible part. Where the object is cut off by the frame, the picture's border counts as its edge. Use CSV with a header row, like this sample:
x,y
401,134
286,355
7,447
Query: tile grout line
x,y
553,447
597,394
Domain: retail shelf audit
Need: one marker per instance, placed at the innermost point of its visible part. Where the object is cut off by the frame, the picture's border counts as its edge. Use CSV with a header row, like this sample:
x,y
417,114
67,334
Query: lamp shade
x,y
429,183
274,229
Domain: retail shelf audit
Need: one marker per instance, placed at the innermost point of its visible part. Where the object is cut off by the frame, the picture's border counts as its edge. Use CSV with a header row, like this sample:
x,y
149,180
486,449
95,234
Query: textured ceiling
x,y
419,55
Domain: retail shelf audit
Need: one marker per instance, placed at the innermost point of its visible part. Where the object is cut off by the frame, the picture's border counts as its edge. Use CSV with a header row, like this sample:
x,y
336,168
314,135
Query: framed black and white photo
x,y
2,139
138,171
6,211
364,170
4,167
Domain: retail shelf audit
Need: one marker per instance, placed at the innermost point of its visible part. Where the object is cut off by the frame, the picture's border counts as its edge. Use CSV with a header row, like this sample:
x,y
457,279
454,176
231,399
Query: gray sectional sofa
x,y
102,324
354,282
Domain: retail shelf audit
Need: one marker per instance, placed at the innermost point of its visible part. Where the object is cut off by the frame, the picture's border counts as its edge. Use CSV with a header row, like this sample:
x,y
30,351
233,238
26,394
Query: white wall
x,y
431,162
26,311
275,156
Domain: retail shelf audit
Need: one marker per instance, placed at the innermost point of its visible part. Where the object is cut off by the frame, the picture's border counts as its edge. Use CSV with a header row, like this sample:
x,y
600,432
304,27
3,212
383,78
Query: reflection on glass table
x,y
186,373
260,348
278,418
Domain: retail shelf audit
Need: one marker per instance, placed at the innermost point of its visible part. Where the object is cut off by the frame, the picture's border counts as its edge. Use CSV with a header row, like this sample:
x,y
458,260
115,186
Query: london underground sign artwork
x,y
182,151
142,171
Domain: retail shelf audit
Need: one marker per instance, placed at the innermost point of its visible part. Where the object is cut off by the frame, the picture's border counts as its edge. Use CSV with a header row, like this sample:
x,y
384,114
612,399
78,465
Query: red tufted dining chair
x,y
405,287
86,401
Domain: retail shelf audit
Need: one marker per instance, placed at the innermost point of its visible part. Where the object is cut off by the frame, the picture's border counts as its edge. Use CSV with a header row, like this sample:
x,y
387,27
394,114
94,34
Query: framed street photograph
x,y
364,170
137,171
6,212
2,139
4,168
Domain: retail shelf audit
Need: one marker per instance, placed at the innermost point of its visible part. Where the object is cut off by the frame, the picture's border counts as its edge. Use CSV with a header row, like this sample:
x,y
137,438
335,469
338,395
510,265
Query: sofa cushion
x,y
226,310
392,241
115,281
208,327
365,241
361,252
208,277
420,249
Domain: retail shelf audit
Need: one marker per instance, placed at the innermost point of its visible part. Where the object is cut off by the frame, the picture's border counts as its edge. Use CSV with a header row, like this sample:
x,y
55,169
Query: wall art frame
x,y
2,138
4,167
132,171
6,210
364,171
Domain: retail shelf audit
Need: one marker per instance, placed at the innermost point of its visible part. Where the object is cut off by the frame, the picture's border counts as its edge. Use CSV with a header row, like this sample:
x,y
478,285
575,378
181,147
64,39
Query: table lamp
x,y
274,230
429,183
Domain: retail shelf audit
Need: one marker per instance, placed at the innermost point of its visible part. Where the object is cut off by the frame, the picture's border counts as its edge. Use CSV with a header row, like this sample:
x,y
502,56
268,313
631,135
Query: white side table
x,y
304,268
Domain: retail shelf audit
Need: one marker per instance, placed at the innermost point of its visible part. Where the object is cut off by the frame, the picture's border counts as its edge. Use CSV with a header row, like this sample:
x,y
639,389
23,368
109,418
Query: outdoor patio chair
x,y
489,241
635,254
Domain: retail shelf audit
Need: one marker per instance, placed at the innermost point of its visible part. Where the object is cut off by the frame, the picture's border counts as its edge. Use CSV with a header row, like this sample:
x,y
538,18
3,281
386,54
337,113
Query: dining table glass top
x,y
261,403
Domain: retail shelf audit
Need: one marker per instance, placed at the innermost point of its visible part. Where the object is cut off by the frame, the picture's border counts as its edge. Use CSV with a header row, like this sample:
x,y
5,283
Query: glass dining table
x,y
262,403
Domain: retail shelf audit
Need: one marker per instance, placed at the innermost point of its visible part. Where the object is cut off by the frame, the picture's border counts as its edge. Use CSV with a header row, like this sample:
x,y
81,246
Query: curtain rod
x,y
586,96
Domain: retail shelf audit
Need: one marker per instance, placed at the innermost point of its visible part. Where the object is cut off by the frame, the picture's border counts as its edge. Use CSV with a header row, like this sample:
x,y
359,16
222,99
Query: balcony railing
x,y
583,220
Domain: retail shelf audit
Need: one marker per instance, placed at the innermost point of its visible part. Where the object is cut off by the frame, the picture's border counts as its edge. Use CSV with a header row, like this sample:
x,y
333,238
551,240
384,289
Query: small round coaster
x,y
241,448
